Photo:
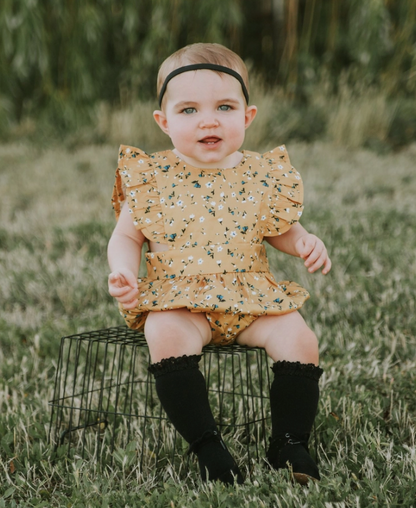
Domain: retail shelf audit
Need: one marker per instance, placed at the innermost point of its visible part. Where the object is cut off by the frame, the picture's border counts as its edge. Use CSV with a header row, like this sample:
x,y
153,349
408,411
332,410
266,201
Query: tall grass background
x,y
336,84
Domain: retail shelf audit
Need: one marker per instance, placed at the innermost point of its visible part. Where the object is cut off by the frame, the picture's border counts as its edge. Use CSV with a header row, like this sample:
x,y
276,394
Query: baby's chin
x,y
210,158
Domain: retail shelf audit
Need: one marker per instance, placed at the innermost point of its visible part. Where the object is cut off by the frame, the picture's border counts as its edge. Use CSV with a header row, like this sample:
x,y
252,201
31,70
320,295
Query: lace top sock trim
x,y
172,364
285,368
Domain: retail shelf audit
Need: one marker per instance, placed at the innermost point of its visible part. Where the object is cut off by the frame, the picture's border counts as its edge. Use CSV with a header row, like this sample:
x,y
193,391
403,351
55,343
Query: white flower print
x,y
219,248
220,207
201,219
200,261
208,297
280,166
127,150
190,258
208,184
233,234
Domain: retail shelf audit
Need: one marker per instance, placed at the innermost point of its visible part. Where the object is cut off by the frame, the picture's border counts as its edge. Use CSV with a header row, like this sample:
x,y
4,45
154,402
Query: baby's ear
x,y
161,120
251,112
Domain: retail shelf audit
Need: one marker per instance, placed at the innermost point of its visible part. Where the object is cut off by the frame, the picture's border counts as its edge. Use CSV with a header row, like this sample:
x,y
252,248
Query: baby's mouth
x,y
210,140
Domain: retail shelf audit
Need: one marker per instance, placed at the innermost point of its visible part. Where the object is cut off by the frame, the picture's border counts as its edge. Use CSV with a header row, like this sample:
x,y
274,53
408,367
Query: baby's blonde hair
x,y
201,52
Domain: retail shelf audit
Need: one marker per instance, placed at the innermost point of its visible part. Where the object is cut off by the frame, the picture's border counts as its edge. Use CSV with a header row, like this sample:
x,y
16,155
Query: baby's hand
x,y
310,248
123,286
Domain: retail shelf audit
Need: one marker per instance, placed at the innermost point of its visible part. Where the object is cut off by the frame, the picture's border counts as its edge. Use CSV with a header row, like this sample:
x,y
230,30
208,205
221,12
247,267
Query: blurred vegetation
x,y
67,66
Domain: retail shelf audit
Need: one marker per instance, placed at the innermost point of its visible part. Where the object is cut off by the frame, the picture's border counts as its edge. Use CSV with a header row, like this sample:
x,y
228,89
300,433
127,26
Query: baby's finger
x,y
314,256
117,291
114,279
130,305
317,263
327,266
128,296
130,279
307,247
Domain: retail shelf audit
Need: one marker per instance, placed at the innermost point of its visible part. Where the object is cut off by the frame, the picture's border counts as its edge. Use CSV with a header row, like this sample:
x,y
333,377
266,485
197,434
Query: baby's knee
x,y
301,344
163,326
308,339
173,333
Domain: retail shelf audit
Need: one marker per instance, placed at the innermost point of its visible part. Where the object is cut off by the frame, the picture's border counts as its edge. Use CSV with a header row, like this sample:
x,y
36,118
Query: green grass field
x,y
56,219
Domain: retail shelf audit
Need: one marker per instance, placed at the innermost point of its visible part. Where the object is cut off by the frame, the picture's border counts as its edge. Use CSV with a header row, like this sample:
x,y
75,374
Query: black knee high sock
x,y
182,391
179,383
294,397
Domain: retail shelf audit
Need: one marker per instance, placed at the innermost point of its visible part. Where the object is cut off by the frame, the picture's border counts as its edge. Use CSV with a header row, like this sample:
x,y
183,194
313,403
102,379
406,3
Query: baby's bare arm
x,y
124,252
298,242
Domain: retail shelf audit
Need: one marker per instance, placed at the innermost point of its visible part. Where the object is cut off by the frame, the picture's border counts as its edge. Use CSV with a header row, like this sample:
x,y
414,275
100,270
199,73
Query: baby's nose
x,y
209,121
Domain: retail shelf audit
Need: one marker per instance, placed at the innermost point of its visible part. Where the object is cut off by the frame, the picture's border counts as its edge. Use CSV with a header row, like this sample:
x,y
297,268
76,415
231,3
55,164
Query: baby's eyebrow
x,y
234,101
185,103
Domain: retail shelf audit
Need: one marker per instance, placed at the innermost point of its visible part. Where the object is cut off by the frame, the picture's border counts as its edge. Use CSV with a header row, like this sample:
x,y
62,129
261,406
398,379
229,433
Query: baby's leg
x,y
176,339
176,333
285,337
294,393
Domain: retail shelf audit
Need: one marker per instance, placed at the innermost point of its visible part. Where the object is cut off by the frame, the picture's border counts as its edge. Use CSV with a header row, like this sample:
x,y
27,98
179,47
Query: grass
x,y
55,223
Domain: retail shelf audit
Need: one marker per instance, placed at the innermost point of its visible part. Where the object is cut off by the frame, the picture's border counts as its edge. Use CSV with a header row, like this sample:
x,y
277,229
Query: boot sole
x,y
303,479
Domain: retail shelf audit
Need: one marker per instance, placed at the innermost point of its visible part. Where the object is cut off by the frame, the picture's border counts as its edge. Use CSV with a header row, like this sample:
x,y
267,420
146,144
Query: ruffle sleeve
x,y
284,203
135,183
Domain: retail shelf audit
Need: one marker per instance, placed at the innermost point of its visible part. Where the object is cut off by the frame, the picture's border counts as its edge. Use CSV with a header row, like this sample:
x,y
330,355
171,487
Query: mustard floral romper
x,y
213,221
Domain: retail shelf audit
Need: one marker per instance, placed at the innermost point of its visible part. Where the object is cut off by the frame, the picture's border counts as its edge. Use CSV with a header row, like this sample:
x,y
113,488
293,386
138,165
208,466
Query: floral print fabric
x,y
214,222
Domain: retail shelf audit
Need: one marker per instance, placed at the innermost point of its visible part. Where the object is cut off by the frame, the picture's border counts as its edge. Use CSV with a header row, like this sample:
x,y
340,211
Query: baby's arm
x,y
298,242
124,252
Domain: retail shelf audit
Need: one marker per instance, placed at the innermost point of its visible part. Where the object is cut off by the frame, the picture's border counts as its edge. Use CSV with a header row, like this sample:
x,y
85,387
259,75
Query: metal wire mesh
x,y
105,400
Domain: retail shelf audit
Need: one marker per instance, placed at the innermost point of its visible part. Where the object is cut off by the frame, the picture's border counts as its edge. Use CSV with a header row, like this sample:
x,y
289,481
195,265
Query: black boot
x,y
182,391
294,397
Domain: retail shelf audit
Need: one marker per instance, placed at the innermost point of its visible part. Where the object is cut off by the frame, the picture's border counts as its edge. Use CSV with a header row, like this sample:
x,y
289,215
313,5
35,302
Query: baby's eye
x,y
189,111
224,107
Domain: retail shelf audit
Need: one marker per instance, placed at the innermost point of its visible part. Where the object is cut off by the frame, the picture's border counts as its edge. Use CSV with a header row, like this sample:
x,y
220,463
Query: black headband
x,y
195,67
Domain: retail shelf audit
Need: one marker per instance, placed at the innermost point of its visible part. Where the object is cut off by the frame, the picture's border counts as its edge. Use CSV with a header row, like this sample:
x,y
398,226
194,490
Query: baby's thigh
x,y
286,327
175,333
285,337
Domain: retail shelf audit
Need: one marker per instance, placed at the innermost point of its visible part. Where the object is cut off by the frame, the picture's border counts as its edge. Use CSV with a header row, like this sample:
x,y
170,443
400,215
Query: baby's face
x,y
205,115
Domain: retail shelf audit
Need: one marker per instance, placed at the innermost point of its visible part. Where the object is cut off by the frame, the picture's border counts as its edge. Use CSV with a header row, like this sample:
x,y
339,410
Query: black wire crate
x,y
105,405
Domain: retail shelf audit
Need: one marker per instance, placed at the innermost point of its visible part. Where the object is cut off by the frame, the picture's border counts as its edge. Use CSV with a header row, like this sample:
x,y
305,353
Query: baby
x,y
205,208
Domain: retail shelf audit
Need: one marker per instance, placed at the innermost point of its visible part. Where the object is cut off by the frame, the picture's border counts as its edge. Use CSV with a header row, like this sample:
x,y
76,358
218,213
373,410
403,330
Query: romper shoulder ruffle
x,y
136,182
284,203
